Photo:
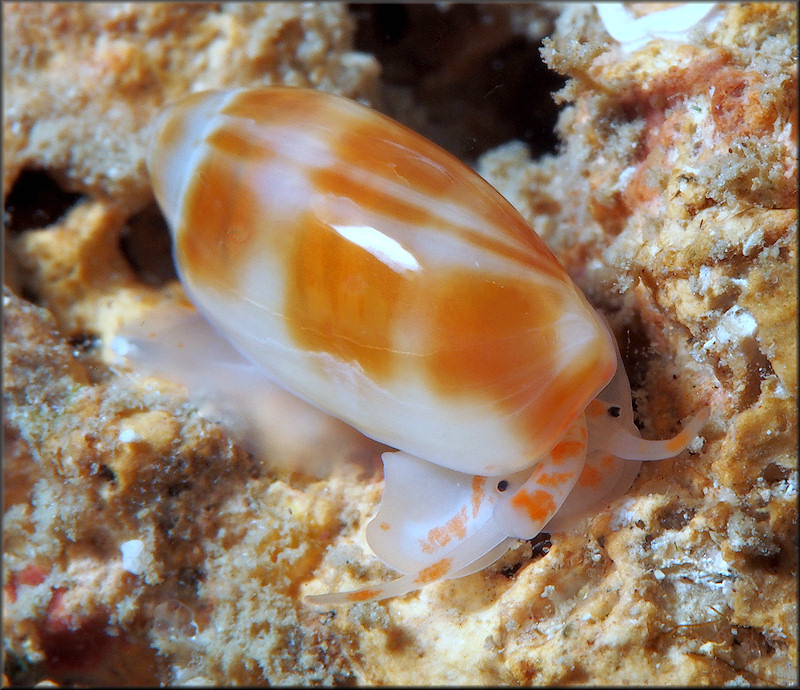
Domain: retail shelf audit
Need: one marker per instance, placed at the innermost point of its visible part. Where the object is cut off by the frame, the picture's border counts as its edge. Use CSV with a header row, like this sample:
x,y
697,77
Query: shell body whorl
x,y
376,276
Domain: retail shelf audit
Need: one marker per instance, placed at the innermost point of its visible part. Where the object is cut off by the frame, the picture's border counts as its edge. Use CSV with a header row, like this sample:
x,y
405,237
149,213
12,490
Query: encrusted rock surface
x,y
672,202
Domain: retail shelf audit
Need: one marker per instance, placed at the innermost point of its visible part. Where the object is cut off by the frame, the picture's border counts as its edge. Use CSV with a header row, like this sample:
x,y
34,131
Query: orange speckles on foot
x,y
454,528
478,494
384,526
362,595
607,461
590,477
554,479
434,572
677,443
537,505
565,450
595,409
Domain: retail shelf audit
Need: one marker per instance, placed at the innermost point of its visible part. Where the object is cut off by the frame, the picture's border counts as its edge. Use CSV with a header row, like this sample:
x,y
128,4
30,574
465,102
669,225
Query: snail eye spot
x,y
502,485
614,411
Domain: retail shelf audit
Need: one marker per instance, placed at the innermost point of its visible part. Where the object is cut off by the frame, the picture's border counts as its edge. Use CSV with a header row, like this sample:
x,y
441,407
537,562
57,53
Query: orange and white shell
x,y
377,277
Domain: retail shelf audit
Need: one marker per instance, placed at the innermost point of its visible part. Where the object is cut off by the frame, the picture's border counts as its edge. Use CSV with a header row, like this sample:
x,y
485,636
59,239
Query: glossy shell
x,y
374,275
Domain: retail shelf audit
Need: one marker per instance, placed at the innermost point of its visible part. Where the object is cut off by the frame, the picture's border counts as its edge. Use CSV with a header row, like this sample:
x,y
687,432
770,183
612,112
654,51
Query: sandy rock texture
x,y
673,203
87,78
144,545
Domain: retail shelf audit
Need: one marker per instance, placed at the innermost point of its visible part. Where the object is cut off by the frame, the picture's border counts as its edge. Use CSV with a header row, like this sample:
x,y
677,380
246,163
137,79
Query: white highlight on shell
x,y
387,250
131,556
672,24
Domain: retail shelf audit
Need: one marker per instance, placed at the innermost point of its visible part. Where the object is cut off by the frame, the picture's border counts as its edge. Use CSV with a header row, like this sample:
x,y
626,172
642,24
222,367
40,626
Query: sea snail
x,y
377,277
